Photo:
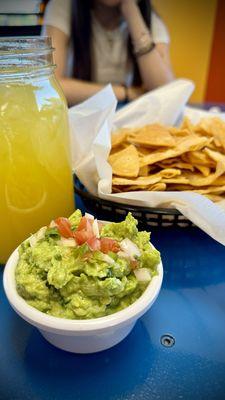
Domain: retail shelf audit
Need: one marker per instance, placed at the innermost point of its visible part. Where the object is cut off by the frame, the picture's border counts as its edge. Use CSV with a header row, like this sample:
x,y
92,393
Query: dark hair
x,y
81,37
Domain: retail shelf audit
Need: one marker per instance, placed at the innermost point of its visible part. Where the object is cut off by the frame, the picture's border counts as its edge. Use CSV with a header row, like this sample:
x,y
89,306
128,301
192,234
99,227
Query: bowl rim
x,y
43,320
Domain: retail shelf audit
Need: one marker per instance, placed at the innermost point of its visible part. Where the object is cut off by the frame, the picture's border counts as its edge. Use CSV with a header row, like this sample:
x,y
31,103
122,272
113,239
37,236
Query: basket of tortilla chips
x,y
155,157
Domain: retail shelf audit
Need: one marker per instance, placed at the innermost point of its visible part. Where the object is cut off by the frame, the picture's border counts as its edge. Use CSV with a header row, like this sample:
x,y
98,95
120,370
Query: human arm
x,y
154,66
75,90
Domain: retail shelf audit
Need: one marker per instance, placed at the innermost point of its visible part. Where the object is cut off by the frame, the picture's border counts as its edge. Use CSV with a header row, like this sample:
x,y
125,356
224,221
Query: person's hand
x,y
134,92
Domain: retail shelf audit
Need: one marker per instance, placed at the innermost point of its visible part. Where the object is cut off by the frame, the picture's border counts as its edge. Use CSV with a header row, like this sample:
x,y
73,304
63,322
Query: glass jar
x,y
35,162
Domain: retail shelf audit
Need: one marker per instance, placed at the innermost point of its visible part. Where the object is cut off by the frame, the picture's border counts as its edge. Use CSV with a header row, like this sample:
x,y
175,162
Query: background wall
x,y
191,27
216,76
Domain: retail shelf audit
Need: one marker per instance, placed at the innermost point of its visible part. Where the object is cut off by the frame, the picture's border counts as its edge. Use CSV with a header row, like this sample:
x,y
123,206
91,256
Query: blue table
x,y
190,308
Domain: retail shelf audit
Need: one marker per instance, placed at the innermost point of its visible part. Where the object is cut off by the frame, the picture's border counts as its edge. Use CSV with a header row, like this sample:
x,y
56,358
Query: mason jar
x,y
35,161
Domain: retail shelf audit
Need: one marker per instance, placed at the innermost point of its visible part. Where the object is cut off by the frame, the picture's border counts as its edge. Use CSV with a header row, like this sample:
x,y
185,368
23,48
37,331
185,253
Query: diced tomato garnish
x,y
84,231
94,243
108,244
64,227
81,236
85,224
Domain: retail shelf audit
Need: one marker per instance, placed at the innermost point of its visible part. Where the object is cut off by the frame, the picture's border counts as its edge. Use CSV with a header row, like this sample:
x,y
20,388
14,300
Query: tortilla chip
x,y
216,198
215,127
179,187
198,180
220,169
157,187
154,135
204,126
117,189
184,157
118,137
182,134
145,180
220,181
118,148
144,171
179,165
125,162
167,163
176,179
215,155
183,165
199,158
135,188
203,169
169,173
190,143
187,124
211,189
143,151
216,142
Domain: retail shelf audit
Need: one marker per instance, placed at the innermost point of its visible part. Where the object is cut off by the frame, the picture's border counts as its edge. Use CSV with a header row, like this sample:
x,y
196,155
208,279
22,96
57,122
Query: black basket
x,y
147,217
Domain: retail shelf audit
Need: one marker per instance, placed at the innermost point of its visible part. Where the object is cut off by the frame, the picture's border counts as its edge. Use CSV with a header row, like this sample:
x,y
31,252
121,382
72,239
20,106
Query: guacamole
x,y
79,268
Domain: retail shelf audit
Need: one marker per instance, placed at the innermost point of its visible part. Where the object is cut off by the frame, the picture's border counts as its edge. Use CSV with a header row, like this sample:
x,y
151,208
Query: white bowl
x,y
81,336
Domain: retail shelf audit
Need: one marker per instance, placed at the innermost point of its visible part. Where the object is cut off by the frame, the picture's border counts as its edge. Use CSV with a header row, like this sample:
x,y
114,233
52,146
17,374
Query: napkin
x,y
91,124
90,128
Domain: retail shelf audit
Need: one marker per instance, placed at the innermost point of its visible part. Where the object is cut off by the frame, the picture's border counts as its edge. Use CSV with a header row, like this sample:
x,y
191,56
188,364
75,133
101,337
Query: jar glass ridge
x,y
25,57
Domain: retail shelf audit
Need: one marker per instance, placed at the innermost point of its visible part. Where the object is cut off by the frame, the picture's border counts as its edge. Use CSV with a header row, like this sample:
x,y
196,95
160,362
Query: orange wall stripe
x,y
215,90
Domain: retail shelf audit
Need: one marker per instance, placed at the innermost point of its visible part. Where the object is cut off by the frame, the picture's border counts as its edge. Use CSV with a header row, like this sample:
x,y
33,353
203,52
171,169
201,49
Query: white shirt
x,y
109,48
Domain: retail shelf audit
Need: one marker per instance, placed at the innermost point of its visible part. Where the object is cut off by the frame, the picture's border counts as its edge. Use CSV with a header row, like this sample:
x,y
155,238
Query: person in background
x,y
122,42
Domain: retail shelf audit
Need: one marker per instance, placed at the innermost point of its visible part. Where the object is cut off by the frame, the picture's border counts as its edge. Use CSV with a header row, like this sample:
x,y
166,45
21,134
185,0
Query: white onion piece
x,y
37,236
122,254
41,233
52,224
107,259
142,274
130,248
70,242
33,240
89,216
96,228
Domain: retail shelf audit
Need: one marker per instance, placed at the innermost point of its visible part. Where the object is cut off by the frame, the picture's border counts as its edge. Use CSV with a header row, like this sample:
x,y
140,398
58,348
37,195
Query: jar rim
x,y
25,55
21,44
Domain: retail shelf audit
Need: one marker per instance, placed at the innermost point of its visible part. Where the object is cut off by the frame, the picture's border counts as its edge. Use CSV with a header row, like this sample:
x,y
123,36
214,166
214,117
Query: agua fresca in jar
x,y
35,163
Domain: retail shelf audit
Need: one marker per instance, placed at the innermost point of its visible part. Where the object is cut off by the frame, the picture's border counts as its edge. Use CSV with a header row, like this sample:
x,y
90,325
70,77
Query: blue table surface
x,y
190,307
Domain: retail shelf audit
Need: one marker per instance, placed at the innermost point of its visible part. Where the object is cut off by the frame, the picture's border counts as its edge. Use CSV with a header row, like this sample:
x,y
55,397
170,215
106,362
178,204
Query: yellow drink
x,y
35,166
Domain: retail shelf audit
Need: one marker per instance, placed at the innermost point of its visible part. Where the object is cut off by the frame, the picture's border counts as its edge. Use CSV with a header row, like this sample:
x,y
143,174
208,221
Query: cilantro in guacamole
x,y
79,268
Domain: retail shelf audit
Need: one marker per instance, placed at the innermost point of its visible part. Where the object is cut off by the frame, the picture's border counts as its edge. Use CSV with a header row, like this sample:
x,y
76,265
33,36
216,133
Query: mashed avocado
x,y
78,269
